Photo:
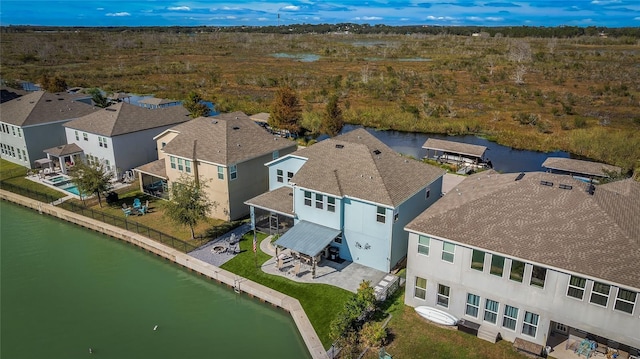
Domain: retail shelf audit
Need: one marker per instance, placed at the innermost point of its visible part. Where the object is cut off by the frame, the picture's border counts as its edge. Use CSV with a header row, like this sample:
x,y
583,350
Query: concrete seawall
x,y
239,284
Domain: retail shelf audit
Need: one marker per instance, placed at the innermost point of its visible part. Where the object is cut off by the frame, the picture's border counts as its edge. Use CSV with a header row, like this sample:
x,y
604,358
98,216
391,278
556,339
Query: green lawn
x,y
321,302
411,336
14,174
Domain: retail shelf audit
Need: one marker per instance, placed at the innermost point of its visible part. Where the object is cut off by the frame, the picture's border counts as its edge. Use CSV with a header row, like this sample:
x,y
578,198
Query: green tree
x,y
193,104
189,203
91,178
286,111
97,98
332,120
55,84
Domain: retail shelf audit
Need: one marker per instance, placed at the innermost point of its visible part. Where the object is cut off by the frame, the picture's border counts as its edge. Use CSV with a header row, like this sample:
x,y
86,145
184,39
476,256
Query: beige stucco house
x,y
228,152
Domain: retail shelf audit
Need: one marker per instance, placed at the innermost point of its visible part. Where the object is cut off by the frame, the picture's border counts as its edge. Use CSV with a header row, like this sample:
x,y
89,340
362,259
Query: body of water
x,y
66,289
503,158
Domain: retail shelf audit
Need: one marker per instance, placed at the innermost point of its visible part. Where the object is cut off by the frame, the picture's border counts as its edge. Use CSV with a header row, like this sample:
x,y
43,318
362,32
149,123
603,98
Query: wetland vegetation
x,y
579,94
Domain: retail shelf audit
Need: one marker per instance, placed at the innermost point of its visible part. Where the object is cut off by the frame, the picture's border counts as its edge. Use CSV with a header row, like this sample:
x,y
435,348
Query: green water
x,y
65,289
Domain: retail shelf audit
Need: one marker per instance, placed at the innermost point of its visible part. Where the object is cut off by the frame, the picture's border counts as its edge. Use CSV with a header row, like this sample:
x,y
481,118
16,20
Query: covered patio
x,y
61,158
153,178
272,212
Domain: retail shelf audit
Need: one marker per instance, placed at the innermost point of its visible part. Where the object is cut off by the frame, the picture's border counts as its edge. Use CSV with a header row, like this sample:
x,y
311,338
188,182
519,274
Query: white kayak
x,y
436,315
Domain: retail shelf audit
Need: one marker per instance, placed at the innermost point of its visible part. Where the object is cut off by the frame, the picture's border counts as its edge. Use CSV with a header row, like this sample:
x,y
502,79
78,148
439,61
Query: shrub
x,y
373,334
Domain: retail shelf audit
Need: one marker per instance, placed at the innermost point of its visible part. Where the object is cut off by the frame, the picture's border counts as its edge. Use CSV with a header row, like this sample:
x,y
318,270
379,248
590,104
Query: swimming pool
x,y
69,187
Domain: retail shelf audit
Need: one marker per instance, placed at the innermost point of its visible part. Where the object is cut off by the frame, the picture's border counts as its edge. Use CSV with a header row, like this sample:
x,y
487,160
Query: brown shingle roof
x,y
278,200
156,168
42,107
124,118
595,235
579,166
454,147
64,150
357,164
224,139
156,101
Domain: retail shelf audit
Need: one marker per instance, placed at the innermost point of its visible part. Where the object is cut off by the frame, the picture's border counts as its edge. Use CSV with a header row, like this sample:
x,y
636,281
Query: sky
x,y
609,13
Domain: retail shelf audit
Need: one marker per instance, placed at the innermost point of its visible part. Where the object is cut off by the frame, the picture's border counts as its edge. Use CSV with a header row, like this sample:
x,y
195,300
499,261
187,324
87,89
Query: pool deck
x,y
240,284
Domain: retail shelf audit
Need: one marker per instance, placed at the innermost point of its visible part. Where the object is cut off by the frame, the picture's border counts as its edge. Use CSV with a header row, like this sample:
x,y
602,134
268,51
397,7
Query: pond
x,y
298,57
504,159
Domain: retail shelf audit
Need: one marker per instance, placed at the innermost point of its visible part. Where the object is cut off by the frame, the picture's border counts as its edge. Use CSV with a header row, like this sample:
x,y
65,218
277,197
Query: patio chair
x,y
137,203
127,211
142,210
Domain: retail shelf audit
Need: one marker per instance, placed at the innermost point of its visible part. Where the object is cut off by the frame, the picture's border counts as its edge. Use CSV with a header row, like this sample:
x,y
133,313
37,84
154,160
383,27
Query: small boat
x,y
436,315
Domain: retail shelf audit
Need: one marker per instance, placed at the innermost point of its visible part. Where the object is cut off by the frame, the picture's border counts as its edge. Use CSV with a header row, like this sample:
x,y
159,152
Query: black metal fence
x,y
28,192
132,226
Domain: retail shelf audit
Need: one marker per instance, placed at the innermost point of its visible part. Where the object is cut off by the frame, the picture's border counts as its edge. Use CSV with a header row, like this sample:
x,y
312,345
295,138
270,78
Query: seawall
x,y
239,284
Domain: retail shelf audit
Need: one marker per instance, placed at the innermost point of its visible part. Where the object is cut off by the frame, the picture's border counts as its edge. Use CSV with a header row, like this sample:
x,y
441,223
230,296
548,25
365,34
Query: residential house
x,y
532,256
34,122
227,151
122,135
349,197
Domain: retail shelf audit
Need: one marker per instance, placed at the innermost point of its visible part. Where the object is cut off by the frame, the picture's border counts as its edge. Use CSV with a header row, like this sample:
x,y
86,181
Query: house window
x,y
173,162
448,251
162,144
187,166
220,172
289,176
103,141
275,154
576,287
307,198
473,305
625,301
233,172
331,204
538,274
279,176
77,136
396,215
443,296
338,239
517,271
491,311
19,132
381,214
510,317
420,290
497,265
24,154
19,155
530,325
600,293
477,260
13,130
85,136
423,245
180,165
427,193
106,162
319,200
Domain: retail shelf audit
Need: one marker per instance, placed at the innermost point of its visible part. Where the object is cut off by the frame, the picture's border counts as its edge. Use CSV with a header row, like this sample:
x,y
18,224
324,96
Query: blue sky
x,y
609,13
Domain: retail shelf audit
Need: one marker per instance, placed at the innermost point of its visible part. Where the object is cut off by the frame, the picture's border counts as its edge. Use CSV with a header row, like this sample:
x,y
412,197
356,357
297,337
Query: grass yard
x,y
411,336
321,302
14,174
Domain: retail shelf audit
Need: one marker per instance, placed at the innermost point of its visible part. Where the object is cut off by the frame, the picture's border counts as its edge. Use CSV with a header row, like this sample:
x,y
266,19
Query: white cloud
x,y
492,18
100,9
230,17
637,18
118,14
291,8
179,8
262,19
372,18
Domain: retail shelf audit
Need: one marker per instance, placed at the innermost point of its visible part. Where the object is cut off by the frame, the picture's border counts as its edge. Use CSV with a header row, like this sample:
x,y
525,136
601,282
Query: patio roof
x,y
64,150
156,168
279,200
308,238
580,166
454,147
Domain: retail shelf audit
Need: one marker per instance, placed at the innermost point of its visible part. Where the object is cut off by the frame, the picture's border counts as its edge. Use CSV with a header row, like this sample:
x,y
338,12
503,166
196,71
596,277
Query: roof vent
x,y
236,127
214,122
60,99
565,186
377,152
546,183
339,146
520,176
110,109
47,100
591,189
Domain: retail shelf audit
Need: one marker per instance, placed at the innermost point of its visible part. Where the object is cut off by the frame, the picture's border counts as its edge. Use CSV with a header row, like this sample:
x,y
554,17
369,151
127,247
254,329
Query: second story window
x,y
576,287
477,260
279,176
538,275
233,172
625,301
187,166
423,245
180,165
448,251
600,293
275,154
289,176
331,204
220,172
319,201
85,136
497,265
173,162
307,198
381,214
517,271
77,136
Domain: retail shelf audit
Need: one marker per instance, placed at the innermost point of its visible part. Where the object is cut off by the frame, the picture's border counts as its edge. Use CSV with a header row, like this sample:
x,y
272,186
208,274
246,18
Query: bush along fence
x,y
103,217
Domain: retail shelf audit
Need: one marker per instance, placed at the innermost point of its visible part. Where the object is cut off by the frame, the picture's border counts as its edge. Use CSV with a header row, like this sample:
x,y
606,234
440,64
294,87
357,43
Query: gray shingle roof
x,y
279,200
454,147
307,238
42,107
225,139
357,164
156,101
156,168
595,235
579,166
124,118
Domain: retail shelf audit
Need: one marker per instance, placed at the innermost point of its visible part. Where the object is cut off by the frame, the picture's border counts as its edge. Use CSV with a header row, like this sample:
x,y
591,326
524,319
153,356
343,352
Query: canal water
x,y
503,158
66,289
